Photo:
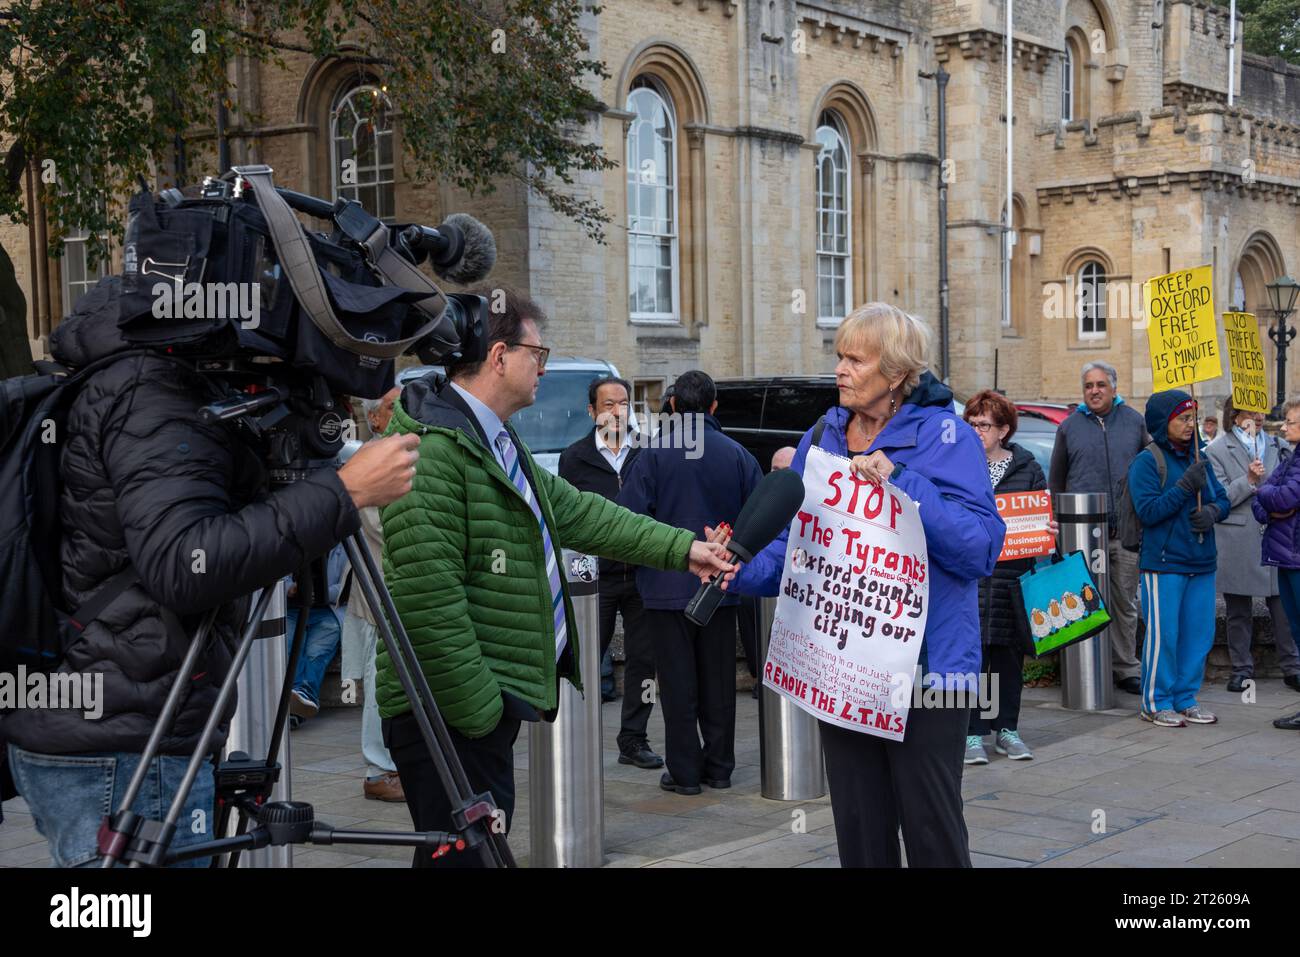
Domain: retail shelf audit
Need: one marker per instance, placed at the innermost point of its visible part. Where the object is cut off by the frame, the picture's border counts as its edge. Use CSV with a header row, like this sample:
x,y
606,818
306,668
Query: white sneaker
x,y
1198,715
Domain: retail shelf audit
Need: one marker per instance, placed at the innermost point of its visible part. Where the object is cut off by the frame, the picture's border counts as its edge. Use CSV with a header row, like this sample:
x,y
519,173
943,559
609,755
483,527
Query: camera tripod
x,y
244,783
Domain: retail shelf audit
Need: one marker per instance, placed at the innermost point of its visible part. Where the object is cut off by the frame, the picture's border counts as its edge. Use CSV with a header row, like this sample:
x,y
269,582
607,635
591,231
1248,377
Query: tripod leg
x,y
163,723
253,696
202,749
494,850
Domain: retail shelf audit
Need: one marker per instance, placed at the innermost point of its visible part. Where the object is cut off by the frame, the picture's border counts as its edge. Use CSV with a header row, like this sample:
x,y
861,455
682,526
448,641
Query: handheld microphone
x,y
769,509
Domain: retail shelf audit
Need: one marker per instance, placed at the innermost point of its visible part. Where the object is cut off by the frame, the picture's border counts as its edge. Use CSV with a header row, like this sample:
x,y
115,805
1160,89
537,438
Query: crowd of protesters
x,y
495,643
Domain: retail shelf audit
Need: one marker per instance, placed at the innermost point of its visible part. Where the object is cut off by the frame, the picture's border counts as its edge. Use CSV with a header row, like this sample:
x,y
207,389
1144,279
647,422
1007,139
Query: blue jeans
x,y
69,795
323,635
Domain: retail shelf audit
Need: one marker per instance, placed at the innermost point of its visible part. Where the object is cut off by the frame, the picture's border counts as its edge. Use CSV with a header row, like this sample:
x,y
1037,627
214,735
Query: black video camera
x,y
227,271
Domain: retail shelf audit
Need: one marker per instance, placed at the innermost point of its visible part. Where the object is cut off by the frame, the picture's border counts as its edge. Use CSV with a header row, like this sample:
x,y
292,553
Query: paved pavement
x,y
1104,790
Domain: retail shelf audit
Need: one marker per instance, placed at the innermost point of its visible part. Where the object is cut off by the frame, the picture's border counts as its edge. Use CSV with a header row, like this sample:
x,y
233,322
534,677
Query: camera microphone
x,y
770,508
461,249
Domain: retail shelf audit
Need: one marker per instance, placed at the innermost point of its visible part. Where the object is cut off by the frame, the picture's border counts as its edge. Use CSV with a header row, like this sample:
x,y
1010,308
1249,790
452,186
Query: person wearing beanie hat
x,y
1177,561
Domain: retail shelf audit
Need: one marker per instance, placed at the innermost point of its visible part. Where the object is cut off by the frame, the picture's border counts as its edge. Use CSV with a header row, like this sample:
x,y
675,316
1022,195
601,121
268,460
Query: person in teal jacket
x,y
1177,561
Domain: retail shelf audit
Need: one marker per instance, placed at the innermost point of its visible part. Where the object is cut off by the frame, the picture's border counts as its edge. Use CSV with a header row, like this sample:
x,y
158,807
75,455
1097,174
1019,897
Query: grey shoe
x,y
1164,719
975,753
1008,742
1198,715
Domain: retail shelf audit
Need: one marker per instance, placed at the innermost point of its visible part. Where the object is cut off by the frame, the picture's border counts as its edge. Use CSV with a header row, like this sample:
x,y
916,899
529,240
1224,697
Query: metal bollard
x,y
1085,666
566,776
790,744
258,689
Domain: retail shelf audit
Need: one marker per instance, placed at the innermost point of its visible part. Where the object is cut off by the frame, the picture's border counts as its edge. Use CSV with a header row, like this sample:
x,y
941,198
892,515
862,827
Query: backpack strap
x,y
818,429
103,596
1158,454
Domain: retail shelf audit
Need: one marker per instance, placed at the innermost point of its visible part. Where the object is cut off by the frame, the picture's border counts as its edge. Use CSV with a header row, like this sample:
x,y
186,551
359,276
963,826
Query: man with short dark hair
x,y
1095,446
692,485
471,557
597,463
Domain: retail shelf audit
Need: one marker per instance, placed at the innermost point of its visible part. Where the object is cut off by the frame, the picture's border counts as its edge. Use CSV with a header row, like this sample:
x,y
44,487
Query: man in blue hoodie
x,y
1177,560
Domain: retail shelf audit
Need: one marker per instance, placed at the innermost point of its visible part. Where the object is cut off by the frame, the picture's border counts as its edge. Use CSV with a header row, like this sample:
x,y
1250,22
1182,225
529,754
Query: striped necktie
x,y
511,460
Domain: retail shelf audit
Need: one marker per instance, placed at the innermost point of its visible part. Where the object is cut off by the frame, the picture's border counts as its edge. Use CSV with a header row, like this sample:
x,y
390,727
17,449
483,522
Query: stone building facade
x,y
779,163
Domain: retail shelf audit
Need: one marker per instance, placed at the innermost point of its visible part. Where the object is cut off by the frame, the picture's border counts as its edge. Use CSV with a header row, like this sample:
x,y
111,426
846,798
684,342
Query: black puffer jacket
x,y
1001,623
147,483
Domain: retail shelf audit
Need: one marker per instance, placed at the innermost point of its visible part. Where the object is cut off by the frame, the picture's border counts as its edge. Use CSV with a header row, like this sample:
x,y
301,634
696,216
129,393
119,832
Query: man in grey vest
x,y
1094,447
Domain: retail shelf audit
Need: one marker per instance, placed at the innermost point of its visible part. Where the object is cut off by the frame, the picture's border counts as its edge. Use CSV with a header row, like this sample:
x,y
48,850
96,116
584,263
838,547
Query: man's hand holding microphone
x,y
381,472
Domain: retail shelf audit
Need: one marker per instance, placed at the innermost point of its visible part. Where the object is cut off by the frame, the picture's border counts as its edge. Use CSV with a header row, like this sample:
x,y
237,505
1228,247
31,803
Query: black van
x,y
768,412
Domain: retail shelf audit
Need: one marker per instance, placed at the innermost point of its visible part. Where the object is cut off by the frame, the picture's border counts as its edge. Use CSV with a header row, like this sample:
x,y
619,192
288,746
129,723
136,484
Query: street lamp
x,y
1282,294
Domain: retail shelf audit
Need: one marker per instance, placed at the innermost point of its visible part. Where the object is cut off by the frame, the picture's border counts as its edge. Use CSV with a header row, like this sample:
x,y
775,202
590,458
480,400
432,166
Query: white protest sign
x,y
854,600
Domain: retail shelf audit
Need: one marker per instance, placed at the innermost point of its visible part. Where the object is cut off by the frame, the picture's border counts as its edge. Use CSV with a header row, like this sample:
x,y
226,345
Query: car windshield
x,y
1039,445
559,416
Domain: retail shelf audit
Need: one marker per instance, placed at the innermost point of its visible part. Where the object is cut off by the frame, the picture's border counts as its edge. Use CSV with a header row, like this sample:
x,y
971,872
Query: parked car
x,y
768,412
559,416
764,413
1054,412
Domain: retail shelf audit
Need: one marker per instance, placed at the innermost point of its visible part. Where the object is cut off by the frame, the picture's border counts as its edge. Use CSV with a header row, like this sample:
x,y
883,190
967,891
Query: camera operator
x,y
173,514
471,558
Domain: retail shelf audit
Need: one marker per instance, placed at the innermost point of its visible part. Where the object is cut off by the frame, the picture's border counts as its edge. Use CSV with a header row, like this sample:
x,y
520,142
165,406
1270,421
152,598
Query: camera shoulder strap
x,y
295,255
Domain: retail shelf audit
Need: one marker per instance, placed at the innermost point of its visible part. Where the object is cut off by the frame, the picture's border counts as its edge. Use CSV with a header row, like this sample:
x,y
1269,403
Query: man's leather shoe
x,y
1292,682
386,787
1132,685
718,784
642,757
1291,723
1237,683
668,784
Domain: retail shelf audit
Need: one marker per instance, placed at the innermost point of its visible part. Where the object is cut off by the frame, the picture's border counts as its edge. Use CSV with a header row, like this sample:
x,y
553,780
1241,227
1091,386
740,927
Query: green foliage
x,y
1036,669
1272,27
97,92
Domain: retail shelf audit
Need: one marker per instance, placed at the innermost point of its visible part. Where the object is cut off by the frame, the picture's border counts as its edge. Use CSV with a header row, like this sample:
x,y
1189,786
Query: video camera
x,y
287,319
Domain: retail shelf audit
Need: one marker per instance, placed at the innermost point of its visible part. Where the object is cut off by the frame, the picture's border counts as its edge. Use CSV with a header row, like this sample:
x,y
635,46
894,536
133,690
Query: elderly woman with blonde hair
x,y
896,422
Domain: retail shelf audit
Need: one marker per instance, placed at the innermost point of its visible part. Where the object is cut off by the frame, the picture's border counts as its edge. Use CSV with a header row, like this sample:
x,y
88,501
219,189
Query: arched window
x,y
76,272
1067,84
1238,302
361,149
651,204
834,252
1090,300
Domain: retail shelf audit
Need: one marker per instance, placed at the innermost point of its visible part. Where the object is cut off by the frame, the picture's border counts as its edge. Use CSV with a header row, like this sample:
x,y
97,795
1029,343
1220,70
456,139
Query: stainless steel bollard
x,y
1086,683
250,730
566,776
790,744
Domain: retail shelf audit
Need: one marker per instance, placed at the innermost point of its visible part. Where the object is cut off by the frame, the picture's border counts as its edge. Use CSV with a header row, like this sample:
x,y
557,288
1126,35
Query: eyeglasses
x,y
982,426
540,353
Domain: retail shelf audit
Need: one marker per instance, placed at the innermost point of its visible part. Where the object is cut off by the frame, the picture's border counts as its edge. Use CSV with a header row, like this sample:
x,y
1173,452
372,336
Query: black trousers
x,y
489,765
697,692
1008,664
747,620
618,596
878,785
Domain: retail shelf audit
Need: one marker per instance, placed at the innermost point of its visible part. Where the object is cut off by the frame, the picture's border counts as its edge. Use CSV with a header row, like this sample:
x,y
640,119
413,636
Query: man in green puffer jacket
x,y
471,558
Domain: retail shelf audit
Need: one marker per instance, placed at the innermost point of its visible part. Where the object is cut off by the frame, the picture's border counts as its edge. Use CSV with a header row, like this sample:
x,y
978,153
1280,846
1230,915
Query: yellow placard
x,y
1246,360
1181,330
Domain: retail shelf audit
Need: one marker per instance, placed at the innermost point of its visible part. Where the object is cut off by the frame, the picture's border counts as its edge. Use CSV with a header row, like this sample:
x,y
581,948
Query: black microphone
x,y
462,249
769,509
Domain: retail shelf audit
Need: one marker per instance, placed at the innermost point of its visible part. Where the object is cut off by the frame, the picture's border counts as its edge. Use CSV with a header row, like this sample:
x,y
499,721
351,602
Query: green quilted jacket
x,y
463,560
